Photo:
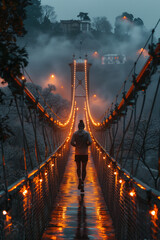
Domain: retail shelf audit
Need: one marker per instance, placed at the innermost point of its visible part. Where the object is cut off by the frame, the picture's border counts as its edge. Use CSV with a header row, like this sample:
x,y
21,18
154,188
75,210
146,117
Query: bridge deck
x,y
76,216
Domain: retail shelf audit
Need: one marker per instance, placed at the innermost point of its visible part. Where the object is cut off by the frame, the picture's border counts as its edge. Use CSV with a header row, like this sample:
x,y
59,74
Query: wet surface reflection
x,y
77,216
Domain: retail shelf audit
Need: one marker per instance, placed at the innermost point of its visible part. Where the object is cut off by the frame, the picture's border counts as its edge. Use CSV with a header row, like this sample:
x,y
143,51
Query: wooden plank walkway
x,y
77,216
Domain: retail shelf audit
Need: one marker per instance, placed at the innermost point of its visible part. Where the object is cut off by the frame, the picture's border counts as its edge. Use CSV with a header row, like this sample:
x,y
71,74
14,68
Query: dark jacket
x,y
81,140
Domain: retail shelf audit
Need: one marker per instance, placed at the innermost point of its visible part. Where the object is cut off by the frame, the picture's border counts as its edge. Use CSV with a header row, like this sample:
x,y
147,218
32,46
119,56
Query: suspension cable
x,y
148,122
125,131
24,132
41,94
137,126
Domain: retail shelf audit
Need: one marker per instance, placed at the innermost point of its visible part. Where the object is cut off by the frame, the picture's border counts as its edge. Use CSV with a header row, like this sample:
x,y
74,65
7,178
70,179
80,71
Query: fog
x,y
51,55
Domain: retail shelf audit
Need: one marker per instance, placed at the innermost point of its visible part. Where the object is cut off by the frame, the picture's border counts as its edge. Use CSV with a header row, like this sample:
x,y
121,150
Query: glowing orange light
x,y
45,173
52,164
143,51
40,180
132,193
94,95
124,17
115,173
120,181
95,54
4,212
62,87
52,76
25,192
23,77
104,157
77,108
109,165
153,212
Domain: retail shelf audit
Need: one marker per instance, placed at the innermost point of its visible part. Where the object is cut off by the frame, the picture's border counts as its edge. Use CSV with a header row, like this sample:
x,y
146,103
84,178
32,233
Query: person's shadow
x,y
82,230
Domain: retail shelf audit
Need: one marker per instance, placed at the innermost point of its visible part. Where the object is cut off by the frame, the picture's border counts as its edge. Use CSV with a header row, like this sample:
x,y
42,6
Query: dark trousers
x,y
81,161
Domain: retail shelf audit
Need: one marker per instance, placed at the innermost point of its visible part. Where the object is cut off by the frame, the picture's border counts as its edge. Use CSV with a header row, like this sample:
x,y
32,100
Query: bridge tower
x,y
80,91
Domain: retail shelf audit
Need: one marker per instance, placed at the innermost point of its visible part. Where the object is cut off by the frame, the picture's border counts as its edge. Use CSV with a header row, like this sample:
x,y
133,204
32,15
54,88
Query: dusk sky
x,y
147,10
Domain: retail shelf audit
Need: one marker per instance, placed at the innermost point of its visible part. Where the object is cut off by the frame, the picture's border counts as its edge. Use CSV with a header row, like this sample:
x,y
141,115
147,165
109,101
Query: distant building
x,y
75,26
114,59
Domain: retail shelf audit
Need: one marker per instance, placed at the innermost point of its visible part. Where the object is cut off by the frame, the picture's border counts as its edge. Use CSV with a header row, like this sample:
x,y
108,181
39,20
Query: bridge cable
x,y
4,174
37,154
114,138
41,95
48,139
45,141
25,138
132,69
24,147
146,130
136,128
124,133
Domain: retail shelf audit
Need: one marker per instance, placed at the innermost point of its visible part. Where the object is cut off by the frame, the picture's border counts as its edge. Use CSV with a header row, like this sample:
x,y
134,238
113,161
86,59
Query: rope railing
x,y
139,82
133,205
25,206
16,84
24,213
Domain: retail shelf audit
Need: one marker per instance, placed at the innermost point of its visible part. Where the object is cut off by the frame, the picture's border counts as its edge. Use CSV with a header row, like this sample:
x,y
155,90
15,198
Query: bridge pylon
x,y
79,75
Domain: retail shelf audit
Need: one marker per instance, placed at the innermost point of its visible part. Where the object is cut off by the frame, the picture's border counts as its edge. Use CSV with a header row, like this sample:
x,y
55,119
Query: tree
x,y
12,57
55,101
34,15
125,23
101,24
138,22
49,12
83,16
46,25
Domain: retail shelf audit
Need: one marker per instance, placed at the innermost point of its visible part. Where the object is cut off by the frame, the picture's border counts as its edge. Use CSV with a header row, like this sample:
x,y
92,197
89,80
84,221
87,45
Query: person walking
x,y
81,139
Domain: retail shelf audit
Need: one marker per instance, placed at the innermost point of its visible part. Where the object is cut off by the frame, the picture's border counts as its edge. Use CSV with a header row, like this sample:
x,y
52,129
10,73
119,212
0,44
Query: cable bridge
x,y
45,203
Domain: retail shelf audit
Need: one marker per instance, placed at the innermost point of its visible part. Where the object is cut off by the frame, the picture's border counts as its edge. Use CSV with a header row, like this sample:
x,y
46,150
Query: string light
x,y
153,212
120,181
25,192
4,212
132,193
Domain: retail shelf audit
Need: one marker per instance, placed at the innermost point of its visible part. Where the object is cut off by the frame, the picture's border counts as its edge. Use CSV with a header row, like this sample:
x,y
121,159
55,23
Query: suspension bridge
x,y
45,203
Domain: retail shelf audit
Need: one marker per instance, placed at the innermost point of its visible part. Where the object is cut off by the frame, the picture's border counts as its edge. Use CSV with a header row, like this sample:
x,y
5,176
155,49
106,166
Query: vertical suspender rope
x,y
136,128
24,133
122,141
24,149
4,173
36,147
45,142
146,130
45,131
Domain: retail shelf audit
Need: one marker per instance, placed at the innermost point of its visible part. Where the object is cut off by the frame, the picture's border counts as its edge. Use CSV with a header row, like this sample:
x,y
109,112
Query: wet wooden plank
x,y
77,216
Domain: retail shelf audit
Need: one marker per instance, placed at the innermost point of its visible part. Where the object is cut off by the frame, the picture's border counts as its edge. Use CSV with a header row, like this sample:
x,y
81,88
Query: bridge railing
x,y
25,215
133,206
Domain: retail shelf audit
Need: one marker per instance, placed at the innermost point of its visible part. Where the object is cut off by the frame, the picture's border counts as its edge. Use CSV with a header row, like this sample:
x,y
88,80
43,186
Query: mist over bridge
x,y
133,206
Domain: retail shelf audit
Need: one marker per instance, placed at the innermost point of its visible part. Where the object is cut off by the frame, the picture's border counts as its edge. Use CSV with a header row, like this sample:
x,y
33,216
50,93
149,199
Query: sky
x,y
147,10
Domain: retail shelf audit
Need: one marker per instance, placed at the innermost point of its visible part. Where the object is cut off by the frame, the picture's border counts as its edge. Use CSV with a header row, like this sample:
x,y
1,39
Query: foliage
x,y
12,57
125,23
83,16
49,12
101,24
34,16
